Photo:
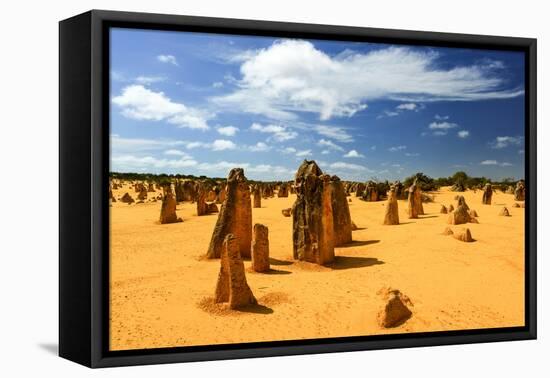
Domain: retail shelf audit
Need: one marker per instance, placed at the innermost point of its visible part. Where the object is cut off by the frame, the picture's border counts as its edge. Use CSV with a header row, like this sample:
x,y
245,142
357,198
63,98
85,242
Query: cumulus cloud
x,y
171,59
463,134
505,141
353,154
228,130
260,147
294,76
140,103
222,144
277,132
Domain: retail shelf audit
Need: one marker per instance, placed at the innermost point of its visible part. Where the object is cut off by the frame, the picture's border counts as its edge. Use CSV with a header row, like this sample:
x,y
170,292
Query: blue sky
x,y
202,104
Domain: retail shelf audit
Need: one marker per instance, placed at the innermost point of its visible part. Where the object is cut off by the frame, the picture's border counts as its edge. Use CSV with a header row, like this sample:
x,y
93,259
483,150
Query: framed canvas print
x,y
233,188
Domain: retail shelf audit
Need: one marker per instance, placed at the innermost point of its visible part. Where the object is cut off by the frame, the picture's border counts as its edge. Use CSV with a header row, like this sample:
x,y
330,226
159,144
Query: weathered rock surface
x,y
260,248
340,213
232,286
312,222
168,209
391,216
235,216
463,234
395,310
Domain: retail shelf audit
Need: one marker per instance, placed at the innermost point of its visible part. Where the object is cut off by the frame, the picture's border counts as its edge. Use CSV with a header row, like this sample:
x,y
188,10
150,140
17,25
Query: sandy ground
x,y
162,289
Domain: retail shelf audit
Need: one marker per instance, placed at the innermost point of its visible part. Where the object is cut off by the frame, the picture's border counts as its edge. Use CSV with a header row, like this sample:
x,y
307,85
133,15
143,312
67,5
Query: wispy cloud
x,y
277,132
329,144
442,125
303,153
340,165
407,106
505,141
495,162
147,80
397,148
293,76
334,132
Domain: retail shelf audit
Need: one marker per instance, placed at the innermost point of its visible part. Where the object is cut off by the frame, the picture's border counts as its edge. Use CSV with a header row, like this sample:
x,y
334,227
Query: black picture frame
x,y
83,181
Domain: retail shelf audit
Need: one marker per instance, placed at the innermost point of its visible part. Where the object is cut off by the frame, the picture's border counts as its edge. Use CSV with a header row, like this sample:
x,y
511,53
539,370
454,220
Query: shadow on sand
x,y
358,243
277,271
427,216
349,262
273,261
256,309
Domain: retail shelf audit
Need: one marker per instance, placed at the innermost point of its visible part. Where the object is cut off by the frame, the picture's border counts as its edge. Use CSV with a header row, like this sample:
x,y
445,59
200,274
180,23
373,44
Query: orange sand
x,y
162,289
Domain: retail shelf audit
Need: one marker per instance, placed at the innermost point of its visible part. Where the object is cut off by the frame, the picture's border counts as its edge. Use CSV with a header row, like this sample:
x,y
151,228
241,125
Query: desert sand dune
x,y
162,287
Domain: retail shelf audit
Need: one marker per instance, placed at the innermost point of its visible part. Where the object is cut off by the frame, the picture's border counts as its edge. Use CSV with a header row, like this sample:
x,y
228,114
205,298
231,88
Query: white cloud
x,y
521,152
348,166
397,148
388,113
228,130
288,150
463,134
260,147
495,162
334,132
176,153
325,152
133,145
171,59
303,153
217,84
412,154
407,106
293,76
353,154
222,144
279,133
128,162
442,125
439,132
505,141
147,80
441,118
329,144
140,103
